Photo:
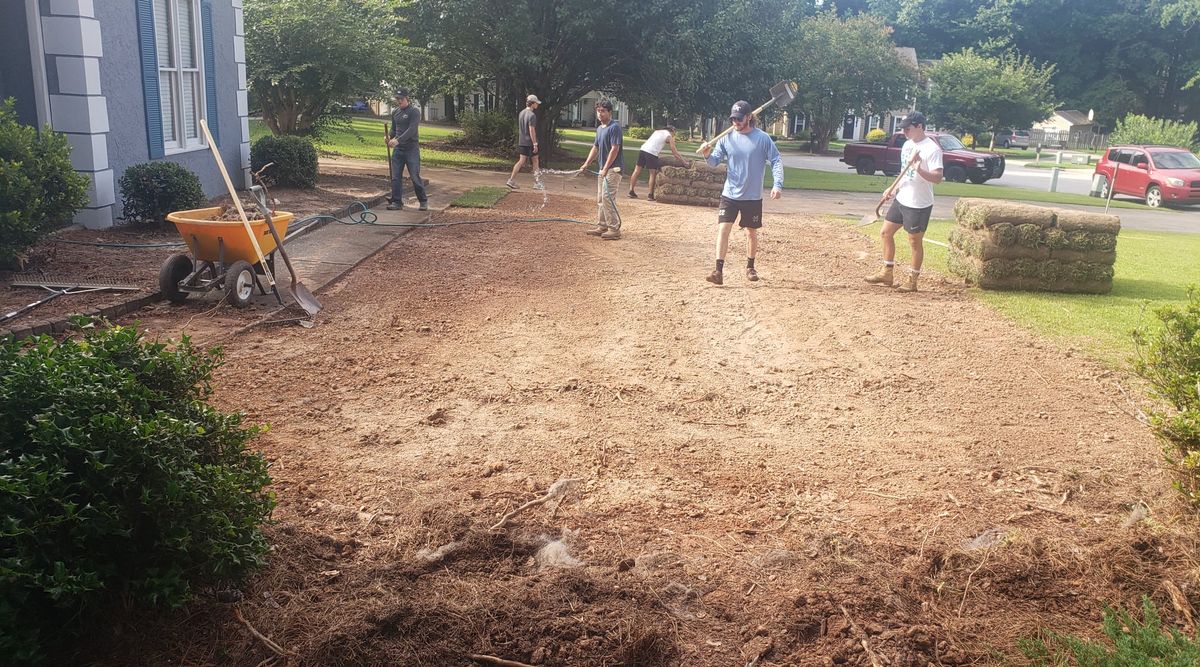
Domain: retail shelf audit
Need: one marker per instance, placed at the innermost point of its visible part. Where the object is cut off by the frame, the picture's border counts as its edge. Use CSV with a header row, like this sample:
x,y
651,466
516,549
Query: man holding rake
x,y
921,162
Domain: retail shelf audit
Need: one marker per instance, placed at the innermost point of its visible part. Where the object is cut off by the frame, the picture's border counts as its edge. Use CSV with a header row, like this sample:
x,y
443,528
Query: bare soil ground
x,y
65,255
806,470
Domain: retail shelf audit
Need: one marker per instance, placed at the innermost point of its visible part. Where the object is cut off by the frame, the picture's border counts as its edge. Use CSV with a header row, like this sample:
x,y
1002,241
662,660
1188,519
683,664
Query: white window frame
x,y
181,143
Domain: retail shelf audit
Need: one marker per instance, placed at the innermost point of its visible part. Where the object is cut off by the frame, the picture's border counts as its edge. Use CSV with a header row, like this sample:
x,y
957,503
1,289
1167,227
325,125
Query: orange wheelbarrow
x,y
221,256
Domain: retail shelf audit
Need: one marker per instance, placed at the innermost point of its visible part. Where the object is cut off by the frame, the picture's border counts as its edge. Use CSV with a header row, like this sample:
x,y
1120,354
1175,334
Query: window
x,y
180,82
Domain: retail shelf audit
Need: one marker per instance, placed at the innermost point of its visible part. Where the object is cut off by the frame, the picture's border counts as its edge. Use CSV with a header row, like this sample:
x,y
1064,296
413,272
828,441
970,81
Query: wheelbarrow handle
x,y
262,261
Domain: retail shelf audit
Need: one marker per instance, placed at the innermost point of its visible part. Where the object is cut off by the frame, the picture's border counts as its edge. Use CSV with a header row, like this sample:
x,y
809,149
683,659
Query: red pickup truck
x,y
958,162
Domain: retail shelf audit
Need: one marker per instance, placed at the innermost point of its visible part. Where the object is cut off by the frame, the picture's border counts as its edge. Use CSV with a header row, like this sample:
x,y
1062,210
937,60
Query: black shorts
x,y
750,210
527,151
648,161
915,220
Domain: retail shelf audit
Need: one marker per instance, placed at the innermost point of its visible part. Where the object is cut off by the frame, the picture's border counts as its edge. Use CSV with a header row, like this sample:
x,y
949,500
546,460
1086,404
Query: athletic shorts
x,y
527,151
915,220
750,210
648,161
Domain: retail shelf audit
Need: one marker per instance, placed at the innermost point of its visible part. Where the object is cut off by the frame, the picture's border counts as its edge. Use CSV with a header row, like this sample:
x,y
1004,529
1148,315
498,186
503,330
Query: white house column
x,y
243,96
72,50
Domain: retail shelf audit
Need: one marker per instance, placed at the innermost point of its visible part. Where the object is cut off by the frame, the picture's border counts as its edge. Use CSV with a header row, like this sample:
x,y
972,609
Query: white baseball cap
x,y
532,99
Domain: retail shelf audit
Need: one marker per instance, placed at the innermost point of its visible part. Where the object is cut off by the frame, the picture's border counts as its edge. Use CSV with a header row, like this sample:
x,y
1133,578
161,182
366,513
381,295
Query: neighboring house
x,y
1063,127
127,81
855,125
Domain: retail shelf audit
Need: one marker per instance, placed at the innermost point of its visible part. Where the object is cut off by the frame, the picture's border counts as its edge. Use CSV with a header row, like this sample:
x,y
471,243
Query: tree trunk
x,y
451,110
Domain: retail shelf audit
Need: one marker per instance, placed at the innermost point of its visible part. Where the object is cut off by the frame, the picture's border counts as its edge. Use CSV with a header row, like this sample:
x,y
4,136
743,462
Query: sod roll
x,y
697,184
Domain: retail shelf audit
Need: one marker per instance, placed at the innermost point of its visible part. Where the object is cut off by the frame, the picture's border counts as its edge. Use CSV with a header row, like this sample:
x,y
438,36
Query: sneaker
x,y
650,197
599,231
511,185
395,207
715,278
424,206
751,274
632,194
611,235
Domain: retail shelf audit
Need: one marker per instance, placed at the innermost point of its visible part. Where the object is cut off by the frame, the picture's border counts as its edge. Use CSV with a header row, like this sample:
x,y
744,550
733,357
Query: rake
x,y
69,283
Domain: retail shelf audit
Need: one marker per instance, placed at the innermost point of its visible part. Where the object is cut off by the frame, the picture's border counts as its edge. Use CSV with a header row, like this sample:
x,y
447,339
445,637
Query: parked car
x,y
1157,174
959,163
1012,139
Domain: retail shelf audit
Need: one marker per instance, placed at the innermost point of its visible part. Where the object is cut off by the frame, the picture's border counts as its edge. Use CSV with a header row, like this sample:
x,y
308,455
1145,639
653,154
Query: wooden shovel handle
x,y
262,261
915,159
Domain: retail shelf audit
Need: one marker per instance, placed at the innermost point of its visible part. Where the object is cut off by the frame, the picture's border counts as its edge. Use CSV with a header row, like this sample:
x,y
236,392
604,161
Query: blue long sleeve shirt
x,y
747,155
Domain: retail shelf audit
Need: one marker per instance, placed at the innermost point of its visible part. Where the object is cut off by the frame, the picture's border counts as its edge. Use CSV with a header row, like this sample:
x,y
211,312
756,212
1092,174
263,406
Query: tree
x,y
971,92
843,64
304,57
556,49
1135,129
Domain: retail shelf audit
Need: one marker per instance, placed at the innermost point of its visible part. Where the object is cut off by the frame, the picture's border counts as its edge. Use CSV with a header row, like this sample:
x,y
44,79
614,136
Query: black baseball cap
x,y
403,92
604,104
740,110
914,118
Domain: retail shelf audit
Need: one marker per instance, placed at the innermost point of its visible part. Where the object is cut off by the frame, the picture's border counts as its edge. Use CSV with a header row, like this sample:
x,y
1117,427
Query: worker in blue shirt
x,y
746,150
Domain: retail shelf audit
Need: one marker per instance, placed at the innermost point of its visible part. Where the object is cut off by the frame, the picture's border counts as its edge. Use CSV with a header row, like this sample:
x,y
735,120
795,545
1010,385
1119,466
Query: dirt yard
x,y
806,470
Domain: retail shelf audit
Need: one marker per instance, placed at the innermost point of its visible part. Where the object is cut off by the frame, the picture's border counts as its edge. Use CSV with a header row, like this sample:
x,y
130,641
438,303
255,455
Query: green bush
x,y
151,190
638,132
984,138
488,129
1134,644
877,136
1168,357
294,158
117,482
1137,129
39,189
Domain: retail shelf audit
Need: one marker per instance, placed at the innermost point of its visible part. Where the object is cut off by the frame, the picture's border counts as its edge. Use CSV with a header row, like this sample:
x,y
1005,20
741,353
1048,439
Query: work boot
x,y
911,284
395,206
599,231
424,206
611,235
715,278
885,276
751,274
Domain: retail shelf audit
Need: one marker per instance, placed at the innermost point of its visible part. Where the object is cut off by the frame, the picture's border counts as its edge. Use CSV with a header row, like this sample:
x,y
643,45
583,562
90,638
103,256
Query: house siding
x,y
121,82
16,65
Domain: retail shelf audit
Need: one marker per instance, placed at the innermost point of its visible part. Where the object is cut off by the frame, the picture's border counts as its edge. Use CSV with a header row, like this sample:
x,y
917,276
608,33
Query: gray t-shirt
x,y
404,126
526,120
608,136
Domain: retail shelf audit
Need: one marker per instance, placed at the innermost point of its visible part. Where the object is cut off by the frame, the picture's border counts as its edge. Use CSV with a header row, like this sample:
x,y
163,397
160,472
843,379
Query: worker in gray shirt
x,y
527,143
406,152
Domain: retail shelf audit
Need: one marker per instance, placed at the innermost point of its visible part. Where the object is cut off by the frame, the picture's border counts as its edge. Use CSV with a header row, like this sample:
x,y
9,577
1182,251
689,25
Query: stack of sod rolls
x,y
1010,246
698,184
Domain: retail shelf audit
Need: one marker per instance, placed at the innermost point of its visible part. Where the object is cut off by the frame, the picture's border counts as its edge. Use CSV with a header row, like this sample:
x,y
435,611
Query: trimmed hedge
x,y
39,189
294,158
118,481
151,190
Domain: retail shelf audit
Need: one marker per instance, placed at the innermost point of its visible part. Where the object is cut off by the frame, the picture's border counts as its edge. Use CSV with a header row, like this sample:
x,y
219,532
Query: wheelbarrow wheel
x,y
176,268
239,283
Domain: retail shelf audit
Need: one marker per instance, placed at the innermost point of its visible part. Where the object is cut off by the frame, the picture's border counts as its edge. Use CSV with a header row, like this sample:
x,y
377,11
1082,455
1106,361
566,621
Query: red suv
x,y
1158,174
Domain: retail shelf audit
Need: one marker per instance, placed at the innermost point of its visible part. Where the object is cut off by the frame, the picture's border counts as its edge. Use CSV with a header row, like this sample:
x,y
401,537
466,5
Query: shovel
x,y
782,95
388,151
299,292
870,219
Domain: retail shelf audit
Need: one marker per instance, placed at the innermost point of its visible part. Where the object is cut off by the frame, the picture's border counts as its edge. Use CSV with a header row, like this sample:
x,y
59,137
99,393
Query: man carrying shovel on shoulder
x,y
921,162
747,150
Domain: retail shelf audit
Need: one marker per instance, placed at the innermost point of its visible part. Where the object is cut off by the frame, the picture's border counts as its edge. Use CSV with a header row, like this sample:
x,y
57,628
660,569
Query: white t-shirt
x,y
914,191
655,143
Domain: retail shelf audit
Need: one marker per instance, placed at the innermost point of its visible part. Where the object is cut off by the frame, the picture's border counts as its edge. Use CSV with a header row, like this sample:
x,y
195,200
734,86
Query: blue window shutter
x,y
149,54
210,69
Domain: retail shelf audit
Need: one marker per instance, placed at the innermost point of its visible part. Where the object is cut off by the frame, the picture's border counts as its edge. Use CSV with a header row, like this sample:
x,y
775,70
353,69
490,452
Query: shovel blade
x,y
783,93
867,219
305,298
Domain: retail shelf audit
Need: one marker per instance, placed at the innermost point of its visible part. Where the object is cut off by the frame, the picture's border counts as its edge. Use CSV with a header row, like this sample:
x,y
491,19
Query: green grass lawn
x,y
481,197
363,139
1153,269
